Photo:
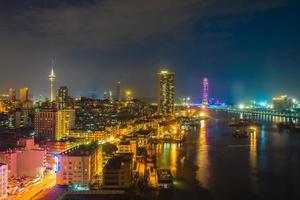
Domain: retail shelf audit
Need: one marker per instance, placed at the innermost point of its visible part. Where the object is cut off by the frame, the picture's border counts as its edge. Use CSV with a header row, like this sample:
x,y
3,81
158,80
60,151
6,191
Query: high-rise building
x,y
45,122
52,80
24,94
166,92
63,97
118,91
205,92
11,94
107,95
81,165
3,181
65,121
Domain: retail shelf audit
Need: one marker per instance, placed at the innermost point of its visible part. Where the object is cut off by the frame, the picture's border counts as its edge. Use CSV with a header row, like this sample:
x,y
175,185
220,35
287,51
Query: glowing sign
x,y
56,163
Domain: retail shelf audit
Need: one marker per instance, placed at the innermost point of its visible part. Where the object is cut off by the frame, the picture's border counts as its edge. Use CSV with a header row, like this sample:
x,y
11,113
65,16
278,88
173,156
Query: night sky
x,y
247,48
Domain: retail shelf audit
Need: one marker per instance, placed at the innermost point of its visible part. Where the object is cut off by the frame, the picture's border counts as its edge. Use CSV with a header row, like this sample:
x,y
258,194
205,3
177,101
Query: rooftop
x,y
82,150
124,142
144,132
117,161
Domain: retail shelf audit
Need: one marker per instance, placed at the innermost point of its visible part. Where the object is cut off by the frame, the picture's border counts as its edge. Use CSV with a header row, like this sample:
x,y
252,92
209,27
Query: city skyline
x,y
149,99
54,93
229,45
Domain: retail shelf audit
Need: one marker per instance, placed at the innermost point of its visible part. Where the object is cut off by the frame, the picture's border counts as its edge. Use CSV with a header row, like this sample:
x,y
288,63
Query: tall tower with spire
x,y
52,80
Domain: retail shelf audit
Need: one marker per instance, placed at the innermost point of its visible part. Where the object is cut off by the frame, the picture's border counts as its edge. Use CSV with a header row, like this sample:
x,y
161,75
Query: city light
x,y
149,100
241,106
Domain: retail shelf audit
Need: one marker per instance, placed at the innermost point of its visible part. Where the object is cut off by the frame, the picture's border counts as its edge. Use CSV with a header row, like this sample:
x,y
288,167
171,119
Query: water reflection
x,y
202,158
253,159
168,154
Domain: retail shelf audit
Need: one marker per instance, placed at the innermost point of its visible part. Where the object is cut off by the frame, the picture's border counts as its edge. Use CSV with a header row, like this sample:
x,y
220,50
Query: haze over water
x,y
212,164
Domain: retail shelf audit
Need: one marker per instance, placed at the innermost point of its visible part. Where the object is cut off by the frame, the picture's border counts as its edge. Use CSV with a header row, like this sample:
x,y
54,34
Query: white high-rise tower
x,y
52,79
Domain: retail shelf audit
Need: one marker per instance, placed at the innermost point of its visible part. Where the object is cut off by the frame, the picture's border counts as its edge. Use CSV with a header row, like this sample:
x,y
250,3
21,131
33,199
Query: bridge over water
x,y
265,115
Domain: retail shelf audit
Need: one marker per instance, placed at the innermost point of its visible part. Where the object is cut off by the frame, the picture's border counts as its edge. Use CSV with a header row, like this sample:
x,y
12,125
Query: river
x,y
212,164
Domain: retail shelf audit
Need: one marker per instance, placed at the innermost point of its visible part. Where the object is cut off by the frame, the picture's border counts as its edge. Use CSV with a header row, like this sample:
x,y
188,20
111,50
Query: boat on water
x,y
239,133
164,179
238,122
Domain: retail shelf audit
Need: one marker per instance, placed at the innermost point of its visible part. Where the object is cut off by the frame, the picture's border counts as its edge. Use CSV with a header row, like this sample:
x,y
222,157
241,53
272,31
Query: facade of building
x,y
118,91
81,165
166,93
205,92
45,123
3,181
12,94
128,146
117,173
54,148
31,160
9,158
63,98
65,121
143,137
24,94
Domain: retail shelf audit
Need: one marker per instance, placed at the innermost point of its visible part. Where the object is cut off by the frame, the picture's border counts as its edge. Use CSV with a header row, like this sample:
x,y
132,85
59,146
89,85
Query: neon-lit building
x,y
80,166
3,181
166,92
205,92
55,148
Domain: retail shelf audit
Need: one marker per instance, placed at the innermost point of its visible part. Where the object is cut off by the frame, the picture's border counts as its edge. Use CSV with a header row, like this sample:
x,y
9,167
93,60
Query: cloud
x,y
107,24
33,32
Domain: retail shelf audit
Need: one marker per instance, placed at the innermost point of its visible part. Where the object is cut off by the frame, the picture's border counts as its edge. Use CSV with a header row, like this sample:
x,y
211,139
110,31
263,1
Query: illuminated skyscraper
x,y
52,79
11,94
118,91
24,94
108,95
166,92
65,121
205,92
63,97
